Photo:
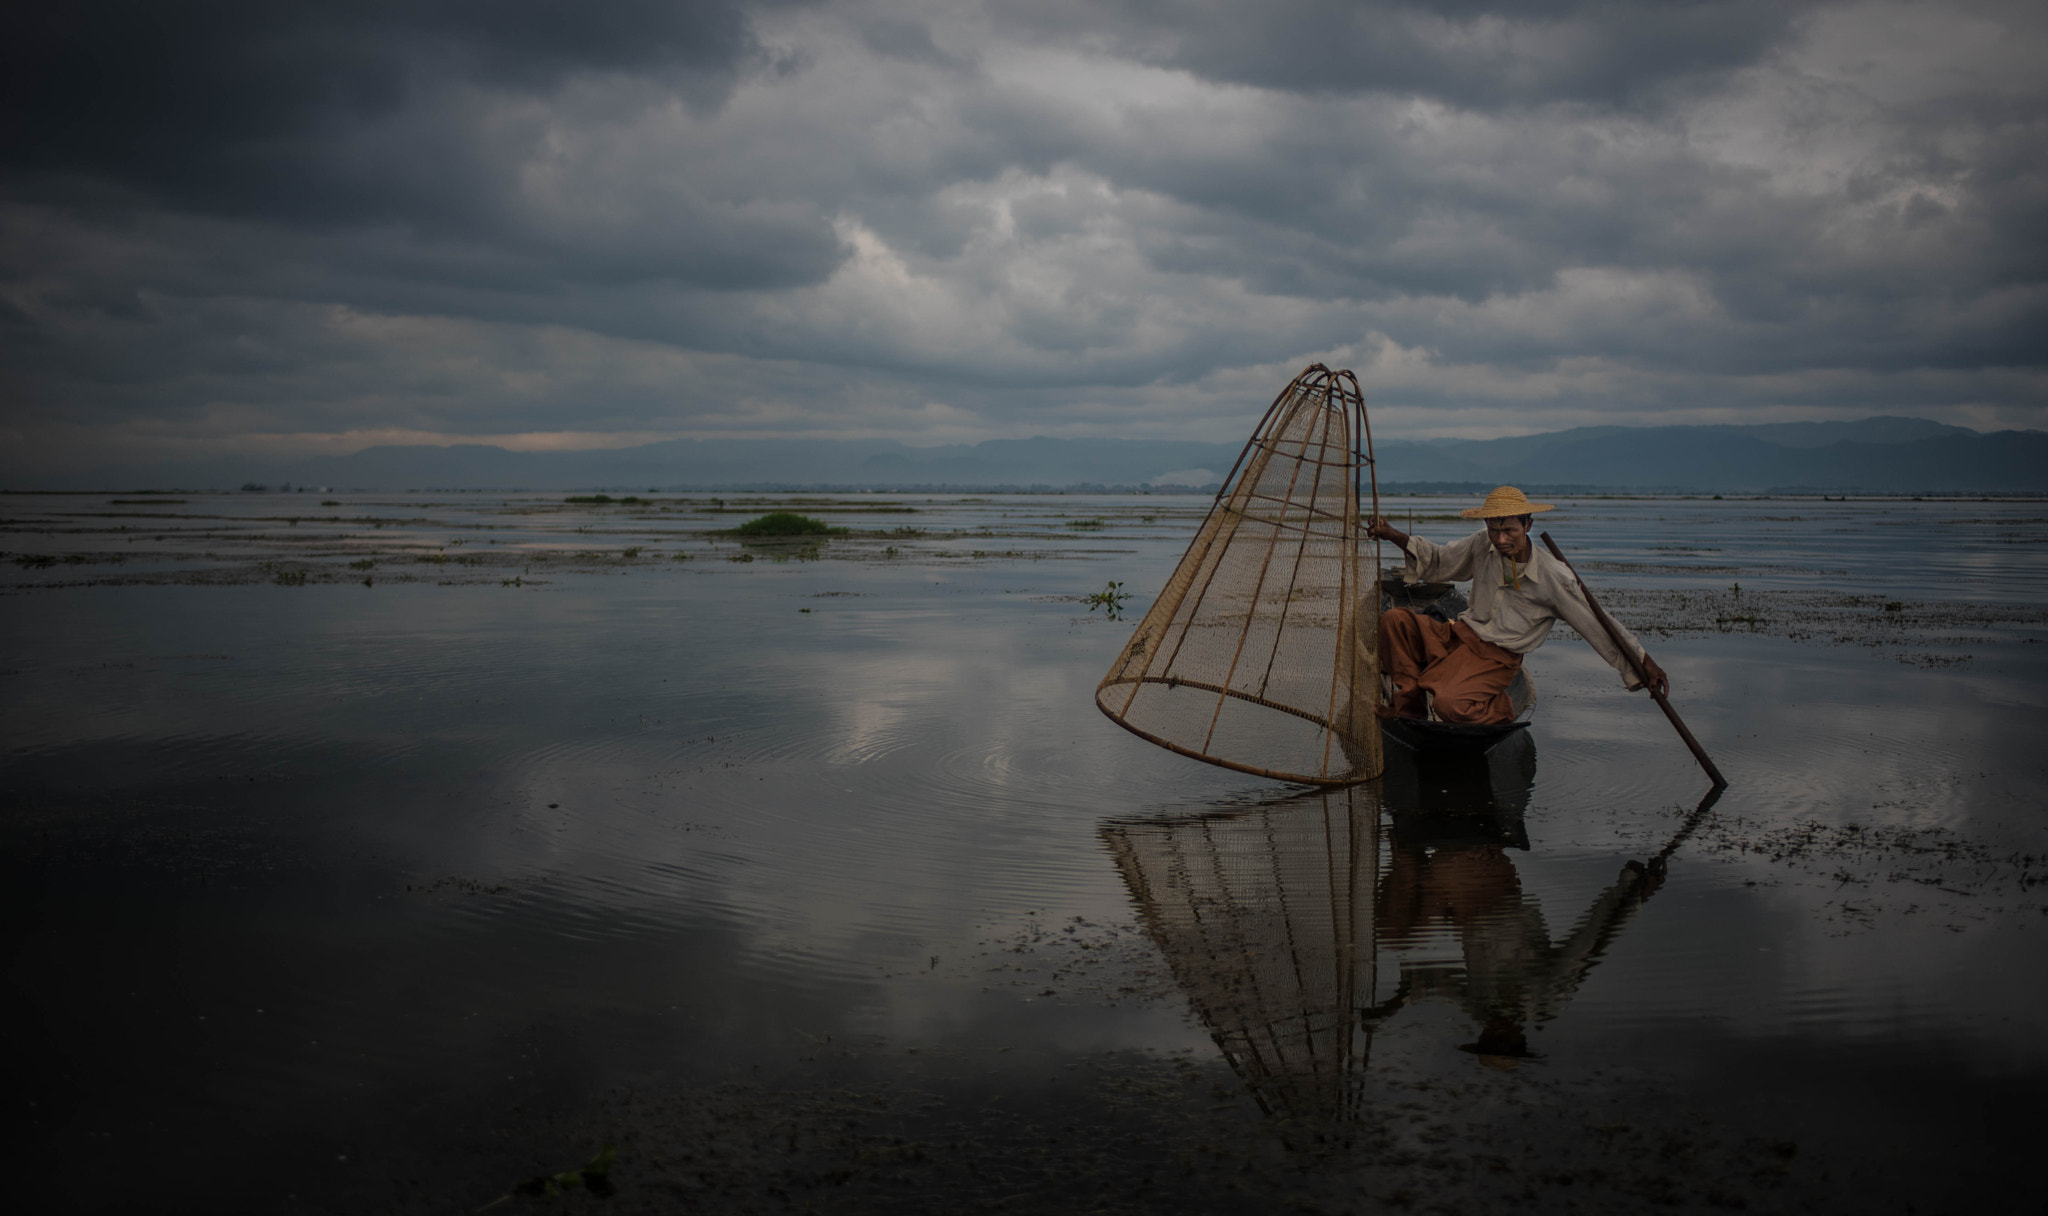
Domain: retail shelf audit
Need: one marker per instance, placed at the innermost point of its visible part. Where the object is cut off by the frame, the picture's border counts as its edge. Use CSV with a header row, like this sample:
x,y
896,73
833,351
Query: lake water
x,y
385,853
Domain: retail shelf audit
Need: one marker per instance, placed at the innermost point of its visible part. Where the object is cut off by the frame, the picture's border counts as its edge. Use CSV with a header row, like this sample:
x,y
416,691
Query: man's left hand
x,y
1660,684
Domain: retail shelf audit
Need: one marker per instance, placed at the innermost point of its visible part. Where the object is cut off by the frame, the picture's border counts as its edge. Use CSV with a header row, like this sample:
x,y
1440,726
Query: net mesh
x,y
1257,655
1267,919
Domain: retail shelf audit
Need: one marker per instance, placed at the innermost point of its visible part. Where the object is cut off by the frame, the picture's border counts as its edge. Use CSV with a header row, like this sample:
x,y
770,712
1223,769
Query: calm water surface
x,y
372,845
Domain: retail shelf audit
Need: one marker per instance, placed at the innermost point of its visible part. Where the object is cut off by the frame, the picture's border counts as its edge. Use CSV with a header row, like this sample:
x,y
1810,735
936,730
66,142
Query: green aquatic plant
x,y
1084,523
785,523
632,552
595,1177
589,498
1111,597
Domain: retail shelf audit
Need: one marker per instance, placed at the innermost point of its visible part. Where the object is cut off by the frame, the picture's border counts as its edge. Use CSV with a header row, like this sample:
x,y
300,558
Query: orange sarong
x,y
1467,675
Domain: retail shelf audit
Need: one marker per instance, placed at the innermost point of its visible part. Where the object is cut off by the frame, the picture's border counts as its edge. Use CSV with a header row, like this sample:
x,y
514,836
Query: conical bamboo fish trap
x,y
1260,654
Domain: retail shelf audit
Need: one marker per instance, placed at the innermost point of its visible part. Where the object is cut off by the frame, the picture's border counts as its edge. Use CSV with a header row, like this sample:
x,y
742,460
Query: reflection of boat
x,y
1298,927
1444,602
1462,794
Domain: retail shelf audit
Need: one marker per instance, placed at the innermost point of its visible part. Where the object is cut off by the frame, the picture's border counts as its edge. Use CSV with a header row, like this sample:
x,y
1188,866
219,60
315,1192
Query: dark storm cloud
x,y
368,112
229,101
906,40
946,221
1469,52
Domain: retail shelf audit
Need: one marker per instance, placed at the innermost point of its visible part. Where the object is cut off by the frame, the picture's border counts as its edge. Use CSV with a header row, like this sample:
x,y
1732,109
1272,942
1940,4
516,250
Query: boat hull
x,y
1421,734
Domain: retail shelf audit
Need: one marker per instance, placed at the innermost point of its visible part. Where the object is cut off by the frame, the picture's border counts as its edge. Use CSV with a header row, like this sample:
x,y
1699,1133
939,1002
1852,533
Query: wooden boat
x,y
1444,602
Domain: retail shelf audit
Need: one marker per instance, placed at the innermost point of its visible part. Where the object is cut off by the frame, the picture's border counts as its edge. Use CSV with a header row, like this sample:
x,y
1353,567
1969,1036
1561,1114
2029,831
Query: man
x,y
1518,592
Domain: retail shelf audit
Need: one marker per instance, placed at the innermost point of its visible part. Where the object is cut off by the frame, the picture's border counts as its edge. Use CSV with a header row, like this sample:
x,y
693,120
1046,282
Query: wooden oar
x,y
1606,622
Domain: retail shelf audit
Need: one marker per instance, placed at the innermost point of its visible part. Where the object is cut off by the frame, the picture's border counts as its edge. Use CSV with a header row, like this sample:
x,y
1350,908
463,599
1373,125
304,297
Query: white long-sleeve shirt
x,y
1517,616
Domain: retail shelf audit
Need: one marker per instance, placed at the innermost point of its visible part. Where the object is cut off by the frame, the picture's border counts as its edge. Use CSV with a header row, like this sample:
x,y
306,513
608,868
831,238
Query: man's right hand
x,y
1380,529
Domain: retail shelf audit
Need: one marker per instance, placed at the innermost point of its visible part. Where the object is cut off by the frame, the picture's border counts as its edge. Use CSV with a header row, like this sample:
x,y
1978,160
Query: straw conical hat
x,y
1505,500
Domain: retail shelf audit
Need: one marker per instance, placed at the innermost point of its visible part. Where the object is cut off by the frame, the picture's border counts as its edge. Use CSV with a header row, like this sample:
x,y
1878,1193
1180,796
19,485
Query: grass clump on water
x,y
785,523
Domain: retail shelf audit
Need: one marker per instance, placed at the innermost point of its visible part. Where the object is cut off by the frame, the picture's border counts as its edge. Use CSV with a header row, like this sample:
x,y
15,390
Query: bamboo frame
x,y
1243,620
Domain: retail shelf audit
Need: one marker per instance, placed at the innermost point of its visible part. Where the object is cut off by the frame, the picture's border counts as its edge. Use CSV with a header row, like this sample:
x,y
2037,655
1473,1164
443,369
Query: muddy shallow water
x,y
389,854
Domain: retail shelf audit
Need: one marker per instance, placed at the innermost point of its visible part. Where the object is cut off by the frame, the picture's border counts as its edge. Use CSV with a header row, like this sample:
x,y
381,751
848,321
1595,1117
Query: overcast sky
x,y
310,227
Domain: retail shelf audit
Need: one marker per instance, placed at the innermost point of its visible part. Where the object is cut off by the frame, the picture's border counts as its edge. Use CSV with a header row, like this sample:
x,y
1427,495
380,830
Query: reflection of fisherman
x,y
1518,592
1514,975
1279,922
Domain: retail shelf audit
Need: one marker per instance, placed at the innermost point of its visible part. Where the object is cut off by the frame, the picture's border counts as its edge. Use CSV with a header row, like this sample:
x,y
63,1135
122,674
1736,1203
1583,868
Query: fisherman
x,y
1462,668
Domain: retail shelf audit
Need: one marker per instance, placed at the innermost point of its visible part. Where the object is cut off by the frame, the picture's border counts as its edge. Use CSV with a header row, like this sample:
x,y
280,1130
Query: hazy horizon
x,y
1874,455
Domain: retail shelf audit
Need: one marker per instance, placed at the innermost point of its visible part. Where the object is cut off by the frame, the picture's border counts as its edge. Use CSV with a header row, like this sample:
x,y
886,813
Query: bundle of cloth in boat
x,y
1460,670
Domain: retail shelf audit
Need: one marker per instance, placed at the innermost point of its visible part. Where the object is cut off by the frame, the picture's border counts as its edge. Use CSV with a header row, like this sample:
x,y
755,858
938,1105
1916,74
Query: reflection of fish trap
x,y
1255,656
1267,917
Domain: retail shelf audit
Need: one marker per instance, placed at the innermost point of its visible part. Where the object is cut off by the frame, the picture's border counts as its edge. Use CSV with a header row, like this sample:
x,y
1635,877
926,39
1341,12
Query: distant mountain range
x,y
1875,455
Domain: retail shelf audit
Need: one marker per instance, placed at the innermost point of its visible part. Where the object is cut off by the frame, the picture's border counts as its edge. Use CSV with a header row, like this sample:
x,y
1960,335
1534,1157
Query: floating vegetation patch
x,y
1111,597
595,1177
1402,519
1656,568
843,505
36,561
1084,523
782,524
1079,960
1824,616
456,885
1880,868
